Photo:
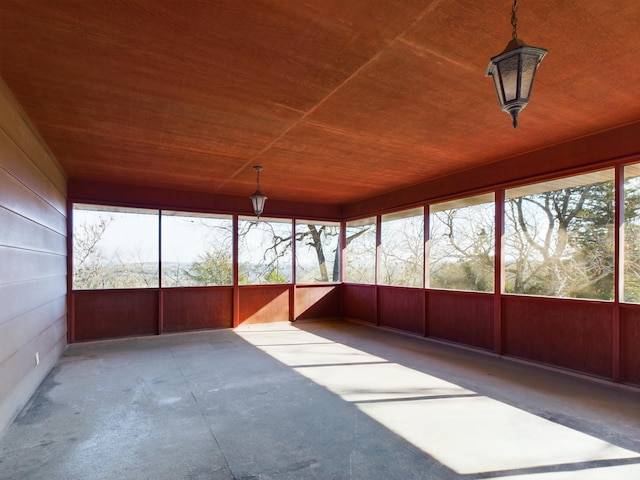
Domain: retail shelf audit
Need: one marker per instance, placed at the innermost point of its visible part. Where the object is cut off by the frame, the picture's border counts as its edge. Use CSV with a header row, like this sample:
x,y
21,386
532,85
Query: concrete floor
x,y
315,400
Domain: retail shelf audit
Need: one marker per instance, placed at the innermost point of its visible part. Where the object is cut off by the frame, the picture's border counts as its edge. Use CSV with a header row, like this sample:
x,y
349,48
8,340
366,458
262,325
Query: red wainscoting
x,y
401,308
317,301
461,317
630,343
574,334
264,303
102,314
197,308
571,334
359,302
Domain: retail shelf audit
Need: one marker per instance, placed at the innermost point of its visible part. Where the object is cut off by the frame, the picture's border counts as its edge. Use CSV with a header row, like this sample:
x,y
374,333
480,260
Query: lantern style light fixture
x,y
514,70
258,199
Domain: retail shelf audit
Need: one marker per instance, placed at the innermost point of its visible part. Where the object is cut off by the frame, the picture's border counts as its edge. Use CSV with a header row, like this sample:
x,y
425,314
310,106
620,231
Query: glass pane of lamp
x,y
509,71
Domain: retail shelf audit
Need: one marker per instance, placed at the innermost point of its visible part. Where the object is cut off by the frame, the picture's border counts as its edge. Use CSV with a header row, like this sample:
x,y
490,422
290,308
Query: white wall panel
x,y
19,265
33,267
18,331
21,372
17,197
21,232
20,298
42,172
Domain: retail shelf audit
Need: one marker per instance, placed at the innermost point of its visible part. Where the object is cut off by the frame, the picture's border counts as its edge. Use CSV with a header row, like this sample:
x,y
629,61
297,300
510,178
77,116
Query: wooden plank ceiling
x,y
338,100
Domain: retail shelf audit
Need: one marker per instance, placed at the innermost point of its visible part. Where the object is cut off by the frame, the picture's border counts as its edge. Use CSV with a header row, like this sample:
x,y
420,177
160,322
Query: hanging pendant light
x,y
258,199
514,70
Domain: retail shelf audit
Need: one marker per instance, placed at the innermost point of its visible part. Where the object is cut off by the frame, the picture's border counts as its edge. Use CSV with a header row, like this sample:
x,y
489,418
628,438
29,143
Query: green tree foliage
x,y
632,240
462,254
558,243
214,267
561,242
274,276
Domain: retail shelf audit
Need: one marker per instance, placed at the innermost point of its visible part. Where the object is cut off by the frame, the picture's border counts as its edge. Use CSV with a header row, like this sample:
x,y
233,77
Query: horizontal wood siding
x,y
461,317
317,301
264,304
573,334
197,308
630,343
33,261
115,313
401,308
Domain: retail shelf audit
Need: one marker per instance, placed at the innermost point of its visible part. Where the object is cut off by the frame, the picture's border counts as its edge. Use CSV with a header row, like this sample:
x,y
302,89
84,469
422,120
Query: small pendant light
x,y
514,70
258,199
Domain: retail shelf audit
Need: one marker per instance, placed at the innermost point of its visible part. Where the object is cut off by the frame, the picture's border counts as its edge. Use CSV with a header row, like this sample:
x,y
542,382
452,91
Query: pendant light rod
x,y
514,20
258,169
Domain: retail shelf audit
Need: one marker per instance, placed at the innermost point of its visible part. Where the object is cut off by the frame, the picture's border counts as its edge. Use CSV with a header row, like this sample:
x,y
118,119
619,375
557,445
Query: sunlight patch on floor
x,y
469,433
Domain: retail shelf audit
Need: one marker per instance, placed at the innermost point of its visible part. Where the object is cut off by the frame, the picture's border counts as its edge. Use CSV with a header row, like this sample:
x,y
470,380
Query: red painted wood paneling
x,y
630,343
577,155
197,308
264,303
115,194
573,334
401,308
317,301
359,302
461,317
115,313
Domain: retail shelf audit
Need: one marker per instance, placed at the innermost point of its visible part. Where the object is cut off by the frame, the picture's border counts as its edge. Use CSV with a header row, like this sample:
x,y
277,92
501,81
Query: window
x,y
559,237
317,252
264,251
360,251
632,233
114,247
462,244
197,249
402,248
